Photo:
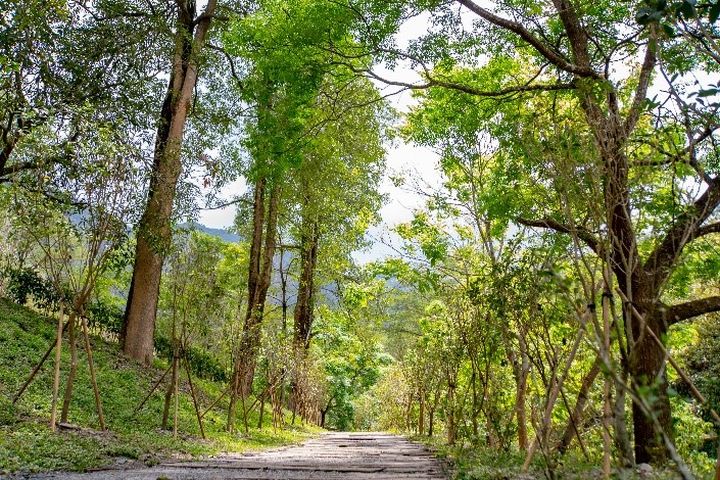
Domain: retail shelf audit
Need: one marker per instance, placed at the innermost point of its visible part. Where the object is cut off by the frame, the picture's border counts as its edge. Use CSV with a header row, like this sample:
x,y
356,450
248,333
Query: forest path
x,y
332,456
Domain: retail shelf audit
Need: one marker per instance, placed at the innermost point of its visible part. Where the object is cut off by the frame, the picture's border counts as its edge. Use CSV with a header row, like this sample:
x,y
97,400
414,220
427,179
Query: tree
x,y
78,240
294,102
154,228
66,61
337,189
571,53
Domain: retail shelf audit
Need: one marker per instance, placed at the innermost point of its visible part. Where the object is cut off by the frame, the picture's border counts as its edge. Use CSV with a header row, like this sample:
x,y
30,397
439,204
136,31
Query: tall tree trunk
x,y
303,314
154,230
421,413
647,370
253,278
259,277
641,286
304,305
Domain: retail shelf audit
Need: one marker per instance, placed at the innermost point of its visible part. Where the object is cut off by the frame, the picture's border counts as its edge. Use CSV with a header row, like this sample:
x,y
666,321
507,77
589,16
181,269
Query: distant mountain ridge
x,y
220,233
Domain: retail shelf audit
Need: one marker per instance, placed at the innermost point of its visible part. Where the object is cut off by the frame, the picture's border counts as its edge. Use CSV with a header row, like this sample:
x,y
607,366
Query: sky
x,y
402,158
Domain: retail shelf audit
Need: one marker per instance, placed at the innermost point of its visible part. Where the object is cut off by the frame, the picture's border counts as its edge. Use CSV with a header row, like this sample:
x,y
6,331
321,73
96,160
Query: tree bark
x,y
154,230
647,370
169,392
70,382
303,314
253,320
259,277
304,305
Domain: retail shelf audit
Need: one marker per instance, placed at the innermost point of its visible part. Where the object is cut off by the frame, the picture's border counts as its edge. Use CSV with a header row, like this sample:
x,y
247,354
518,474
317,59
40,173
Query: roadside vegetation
x,y
133,438
547,307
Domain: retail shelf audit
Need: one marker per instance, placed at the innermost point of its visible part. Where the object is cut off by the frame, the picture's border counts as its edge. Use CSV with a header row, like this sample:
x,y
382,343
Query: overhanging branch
x,y
581,233
435,82
694,308
544,49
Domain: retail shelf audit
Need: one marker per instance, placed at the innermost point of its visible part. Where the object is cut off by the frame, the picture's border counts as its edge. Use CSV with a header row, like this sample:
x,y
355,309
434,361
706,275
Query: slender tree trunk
x,y
451,420
36,369
56,373
262,411
431,414
154,230
91,367
73,368
196,403
622,438
521,368
304,305
169,393
575,420
259,277
607,408
474,413
421,415
324,412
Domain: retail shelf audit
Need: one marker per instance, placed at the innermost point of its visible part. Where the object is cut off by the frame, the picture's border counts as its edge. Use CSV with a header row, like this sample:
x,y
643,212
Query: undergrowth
x,y
28,445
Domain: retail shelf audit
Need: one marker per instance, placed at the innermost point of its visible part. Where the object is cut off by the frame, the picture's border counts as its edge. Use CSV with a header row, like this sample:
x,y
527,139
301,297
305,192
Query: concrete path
x,y
333,456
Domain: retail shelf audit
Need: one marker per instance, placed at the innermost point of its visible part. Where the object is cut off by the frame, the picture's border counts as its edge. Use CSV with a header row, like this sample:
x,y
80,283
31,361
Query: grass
x,y
28,445
479,462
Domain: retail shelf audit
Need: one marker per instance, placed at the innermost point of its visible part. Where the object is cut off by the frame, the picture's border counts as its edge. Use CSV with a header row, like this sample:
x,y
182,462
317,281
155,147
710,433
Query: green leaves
x,y
714,11
433,242
665,14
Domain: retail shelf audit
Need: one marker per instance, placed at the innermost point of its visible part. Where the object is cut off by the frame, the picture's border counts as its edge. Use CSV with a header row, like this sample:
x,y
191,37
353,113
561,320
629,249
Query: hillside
x,y
27,444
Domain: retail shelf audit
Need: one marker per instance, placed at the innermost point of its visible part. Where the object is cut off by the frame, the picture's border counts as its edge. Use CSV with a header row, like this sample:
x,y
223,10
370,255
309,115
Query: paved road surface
x,y
333,456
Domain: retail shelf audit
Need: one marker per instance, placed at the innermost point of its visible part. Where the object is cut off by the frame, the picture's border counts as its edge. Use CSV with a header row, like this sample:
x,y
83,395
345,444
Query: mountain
x,y
220,233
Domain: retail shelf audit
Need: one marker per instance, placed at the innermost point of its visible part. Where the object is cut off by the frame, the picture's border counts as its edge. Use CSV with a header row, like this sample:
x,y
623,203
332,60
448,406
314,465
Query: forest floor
x,y
133,438
333,456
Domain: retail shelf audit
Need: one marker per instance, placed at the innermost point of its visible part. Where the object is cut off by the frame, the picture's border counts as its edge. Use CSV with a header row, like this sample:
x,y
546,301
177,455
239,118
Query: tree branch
x,y
643,82
583,234
434,82
685,229
11,170
694,308
545,50
707,229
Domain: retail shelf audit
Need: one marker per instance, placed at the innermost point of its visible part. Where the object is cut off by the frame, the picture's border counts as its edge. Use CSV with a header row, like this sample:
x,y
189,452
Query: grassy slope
x,y
27,444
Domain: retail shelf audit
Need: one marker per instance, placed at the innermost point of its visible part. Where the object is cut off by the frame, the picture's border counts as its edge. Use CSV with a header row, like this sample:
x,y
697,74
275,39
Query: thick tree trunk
x,y
154,230
647,370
